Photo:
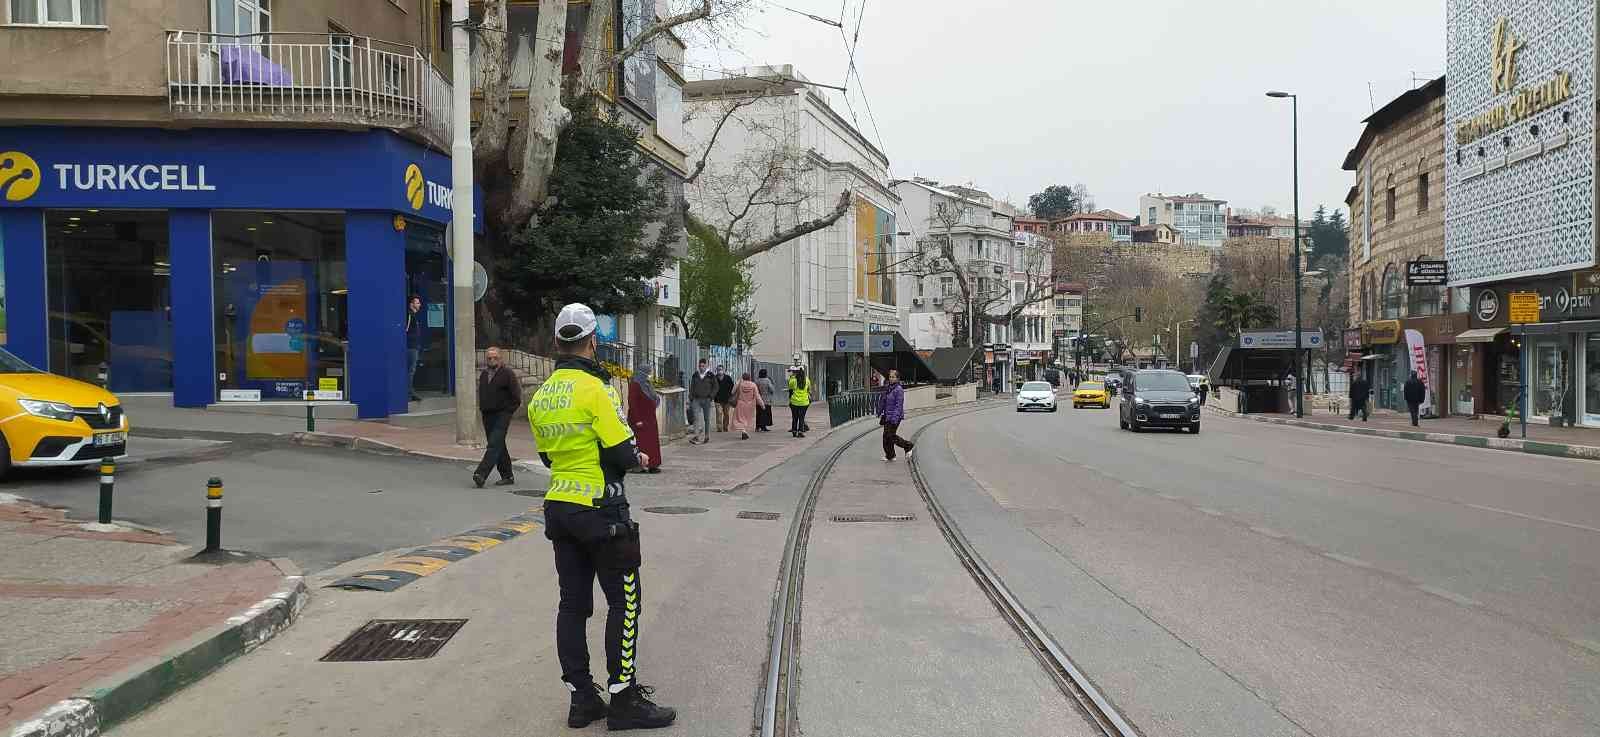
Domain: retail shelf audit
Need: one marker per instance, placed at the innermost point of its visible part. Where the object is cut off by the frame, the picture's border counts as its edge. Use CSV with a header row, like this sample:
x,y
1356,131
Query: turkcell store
x,y
238,264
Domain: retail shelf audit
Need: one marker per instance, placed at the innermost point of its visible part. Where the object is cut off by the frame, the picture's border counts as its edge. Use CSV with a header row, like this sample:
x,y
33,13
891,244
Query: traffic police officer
x,y
584,440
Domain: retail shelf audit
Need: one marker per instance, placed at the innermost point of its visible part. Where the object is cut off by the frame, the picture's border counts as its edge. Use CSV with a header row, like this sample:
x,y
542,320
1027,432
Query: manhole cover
x,y
675,510
395,639
873,517
528,492
759,515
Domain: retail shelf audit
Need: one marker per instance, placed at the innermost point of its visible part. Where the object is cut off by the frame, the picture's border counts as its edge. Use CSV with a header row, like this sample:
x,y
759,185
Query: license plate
x,y
110,438
1170,416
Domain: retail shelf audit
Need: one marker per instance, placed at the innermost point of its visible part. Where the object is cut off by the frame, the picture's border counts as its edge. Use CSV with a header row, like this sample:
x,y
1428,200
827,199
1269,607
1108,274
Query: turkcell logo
x,y
417,186
19,176
132,177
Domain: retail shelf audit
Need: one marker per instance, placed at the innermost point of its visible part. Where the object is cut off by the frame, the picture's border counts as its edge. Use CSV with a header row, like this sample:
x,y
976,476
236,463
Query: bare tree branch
x,y
662,26
717,131
810,226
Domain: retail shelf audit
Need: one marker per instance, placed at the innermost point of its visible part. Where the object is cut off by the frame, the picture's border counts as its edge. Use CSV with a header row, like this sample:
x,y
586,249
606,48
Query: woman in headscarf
x,y
642,403
764,412
746,399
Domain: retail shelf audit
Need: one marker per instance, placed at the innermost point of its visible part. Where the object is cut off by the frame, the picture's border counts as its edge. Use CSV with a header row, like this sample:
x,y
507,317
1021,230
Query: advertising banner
x,y
1419,363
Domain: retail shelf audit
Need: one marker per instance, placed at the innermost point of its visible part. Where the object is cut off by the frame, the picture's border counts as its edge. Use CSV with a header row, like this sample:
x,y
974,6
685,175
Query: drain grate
x,y
528,492
675,510
759,515
395,639
873,517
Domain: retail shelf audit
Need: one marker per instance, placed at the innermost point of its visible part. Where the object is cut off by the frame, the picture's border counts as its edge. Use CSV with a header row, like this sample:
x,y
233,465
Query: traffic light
x,y
1138,314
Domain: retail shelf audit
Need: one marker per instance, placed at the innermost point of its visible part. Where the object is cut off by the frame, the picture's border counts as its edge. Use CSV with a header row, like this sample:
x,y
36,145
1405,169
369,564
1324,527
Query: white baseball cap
x,y
575,323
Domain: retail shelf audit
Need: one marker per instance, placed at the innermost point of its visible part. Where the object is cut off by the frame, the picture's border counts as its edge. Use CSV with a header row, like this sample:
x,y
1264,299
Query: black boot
x,y
632,709
587,706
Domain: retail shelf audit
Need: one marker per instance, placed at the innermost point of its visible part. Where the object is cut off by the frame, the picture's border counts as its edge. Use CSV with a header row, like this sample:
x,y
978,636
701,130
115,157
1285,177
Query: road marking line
x,y
1268,532
1450,595
1534,518
1347,560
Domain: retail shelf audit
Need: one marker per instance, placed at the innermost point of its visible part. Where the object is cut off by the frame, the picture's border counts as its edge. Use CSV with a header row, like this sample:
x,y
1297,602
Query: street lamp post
x,y
1300,383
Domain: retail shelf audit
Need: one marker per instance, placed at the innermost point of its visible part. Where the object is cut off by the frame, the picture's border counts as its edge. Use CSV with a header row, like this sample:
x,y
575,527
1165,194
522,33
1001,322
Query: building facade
x,y
1260,227
1117,226
227,199
982,239
815,287
1066,318
1398,219
1200,220
1519,221
1032,287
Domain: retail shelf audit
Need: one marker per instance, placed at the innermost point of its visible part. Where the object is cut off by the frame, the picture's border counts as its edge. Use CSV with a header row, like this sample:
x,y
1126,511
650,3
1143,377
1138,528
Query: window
x,y
445,14
920,287
340,56
1061,304
521,22
1393,297
669,110
1389,201
947,286
1017,289
1422,192
280,299
107,277
243,17
59,12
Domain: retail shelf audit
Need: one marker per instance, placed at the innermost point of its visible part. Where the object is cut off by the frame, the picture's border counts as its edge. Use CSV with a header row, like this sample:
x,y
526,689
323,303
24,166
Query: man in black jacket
x,y
499,397
1416,393
724,398
1359,390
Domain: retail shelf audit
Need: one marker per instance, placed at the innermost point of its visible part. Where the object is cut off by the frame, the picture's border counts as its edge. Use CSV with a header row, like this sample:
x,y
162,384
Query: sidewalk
x,y
96,623
725,463
1566,442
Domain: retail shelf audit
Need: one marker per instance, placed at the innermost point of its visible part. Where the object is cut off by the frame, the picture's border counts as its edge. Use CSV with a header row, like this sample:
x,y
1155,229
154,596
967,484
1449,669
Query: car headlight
x,y
1194,400
52,410
1140,400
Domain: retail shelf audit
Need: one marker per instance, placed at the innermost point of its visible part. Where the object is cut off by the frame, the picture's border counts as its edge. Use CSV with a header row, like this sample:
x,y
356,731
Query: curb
x,y
1532,447
379,447
115,699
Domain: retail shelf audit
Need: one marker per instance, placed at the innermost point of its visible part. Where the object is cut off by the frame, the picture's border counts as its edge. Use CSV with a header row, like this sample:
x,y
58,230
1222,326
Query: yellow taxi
x,y
1091,394
50,420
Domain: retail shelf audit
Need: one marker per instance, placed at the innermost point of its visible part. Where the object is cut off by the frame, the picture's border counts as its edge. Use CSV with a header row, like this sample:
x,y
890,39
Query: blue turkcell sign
x,y
256,169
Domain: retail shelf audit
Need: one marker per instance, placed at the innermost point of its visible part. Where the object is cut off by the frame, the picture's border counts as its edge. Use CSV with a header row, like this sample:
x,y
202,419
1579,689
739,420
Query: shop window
x,y
281,298
110,298
1425,300
1392,300
1550,376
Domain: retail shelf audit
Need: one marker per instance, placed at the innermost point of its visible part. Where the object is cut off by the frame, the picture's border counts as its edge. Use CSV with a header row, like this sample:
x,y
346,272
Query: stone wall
x,y
1397,158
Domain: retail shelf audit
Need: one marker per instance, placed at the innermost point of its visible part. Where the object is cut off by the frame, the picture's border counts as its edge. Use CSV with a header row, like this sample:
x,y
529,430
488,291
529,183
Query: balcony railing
x,y
307,78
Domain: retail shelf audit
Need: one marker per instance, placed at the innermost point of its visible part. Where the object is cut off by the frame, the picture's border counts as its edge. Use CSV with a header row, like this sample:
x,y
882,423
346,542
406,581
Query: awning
x,y
1479,335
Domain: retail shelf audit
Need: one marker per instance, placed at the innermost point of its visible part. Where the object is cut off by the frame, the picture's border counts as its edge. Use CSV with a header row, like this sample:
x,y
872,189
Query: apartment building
x,y
825,283
1118,227
1200,220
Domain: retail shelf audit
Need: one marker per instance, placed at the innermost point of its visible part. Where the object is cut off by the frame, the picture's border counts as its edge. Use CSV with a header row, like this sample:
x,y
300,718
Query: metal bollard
x,y
108,477
213,515
311,421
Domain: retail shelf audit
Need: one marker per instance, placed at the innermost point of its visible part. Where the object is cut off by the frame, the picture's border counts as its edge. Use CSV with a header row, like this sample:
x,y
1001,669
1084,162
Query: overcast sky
x,y
1125,96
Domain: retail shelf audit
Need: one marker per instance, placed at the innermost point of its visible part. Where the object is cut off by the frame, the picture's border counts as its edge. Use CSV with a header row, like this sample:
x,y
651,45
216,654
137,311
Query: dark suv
x,y
1158,398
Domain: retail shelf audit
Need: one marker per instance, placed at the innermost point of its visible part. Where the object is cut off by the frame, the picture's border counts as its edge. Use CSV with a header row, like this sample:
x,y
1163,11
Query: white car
x,y
1036,395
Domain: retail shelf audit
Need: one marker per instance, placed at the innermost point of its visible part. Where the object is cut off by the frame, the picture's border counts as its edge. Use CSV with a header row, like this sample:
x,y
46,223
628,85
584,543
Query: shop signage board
x,y
1381,332
1419,363
1520,131
1352,339
1524,307
852,343
240,395
1281,339
1427,273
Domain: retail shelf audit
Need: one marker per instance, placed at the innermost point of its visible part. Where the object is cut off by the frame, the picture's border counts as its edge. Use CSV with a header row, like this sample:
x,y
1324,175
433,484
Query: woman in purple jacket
x,y
891,412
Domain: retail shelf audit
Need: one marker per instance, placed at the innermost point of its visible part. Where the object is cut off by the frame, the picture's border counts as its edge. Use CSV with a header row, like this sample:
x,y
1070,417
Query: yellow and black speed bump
x,y
428,559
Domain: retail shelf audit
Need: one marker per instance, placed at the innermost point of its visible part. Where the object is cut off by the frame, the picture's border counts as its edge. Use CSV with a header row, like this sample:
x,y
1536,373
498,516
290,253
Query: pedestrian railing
x,y
846,406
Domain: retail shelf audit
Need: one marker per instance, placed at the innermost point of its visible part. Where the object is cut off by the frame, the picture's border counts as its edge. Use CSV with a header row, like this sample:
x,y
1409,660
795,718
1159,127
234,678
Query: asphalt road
x,y
318,507
1262,580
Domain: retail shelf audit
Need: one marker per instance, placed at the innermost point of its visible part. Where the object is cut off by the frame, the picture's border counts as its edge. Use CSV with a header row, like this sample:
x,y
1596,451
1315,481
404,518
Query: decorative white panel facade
x,y
1519,196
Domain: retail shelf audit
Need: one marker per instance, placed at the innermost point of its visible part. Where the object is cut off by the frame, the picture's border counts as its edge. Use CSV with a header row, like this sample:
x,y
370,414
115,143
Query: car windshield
x,y
1090,386
10,364
1036,386
1162,383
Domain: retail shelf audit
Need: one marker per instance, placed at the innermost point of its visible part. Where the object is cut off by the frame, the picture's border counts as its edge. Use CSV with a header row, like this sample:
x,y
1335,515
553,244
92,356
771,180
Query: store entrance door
x,y
428,277
1591,380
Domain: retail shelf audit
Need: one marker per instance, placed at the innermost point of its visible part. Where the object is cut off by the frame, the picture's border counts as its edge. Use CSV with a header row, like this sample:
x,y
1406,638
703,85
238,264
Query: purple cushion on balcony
x,y
244,65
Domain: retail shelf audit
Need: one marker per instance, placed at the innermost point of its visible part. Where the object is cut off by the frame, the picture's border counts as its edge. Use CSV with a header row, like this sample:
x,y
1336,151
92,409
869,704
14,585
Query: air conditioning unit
x,y
938,300
916,300
998,269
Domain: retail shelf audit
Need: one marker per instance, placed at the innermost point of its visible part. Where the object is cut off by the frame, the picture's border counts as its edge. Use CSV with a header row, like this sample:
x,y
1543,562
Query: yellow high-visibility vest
x,y
573,415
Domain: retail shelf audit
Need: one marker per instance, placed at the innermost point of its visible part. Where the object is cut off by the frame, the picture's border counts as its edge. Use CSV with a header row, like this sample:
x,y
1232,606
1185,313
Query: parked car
x,y
1091,394
56,421
1158,398
1036,395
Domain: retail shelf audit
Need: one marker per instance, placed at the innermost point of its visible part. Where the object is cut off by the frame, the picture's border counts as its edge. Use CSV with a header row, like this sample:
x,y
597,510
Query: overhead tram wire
x,y
825,21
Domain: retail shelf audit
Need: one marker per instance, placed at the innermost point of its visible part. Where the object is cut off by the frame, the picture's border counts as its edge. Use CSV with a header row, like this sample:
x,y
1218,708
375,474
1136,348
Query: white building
x,y
1066,318
1032,285
999,260
1199,220
810,289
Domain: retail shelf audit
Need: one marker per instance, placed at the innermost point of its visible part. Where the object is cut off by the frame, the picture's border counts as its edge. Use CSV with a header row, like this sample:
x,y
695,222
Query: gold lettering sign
x,y
1504,57
1524,103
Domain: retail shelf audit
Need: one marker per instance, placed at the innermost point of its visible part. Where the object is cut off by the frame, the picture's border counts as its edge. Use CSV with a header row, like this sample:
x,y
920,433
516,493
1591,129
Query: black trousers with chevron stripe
x,y
595,544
